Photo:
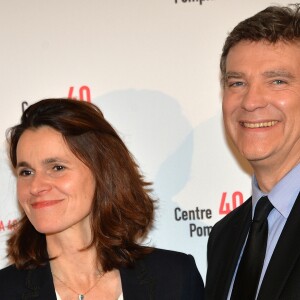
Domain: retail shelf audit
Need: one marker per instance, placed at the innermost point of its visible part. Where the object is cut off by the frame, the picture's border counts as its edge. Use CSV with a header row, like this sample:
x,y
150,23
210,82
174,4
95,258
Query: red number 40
x,y
84,93
227,206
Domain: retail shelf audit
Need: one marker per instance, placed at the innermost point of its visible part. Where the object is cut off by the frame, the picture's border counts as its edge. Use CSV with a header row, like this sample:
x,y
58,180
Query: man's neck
x,y
268,177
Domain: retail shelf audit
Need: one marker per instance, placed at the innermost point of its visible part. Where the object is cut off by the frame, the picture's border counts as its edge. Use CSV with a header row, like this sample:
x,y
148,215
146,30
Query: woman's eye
x,y
58,168
25,172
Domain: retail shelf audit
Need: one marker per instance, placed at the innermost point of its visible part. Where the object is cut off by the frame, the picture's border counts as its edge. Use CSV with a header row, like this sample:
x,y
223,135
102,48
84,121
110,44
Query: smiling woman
x,y
52,183
86,209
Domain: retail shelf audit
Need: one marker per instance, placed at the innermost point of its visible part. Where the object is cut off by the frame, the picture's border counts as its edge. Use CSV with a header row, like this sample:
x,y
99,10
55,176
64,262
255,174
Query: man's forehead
x,y
278,45
263,52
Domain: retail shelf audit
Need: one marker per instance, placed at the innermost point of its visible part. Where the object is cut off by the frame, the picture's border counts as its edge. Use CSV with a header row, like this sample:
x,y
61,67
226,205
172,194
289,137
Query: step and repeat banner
x,y
153,69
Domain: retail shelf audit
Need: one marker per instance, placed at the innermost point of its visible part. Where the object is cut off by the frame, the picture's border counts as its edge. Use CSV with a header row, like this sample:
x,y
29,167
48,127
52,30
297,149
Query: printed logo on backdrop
x,y
82,94
190,1
7,225
192,216
229,203
9,213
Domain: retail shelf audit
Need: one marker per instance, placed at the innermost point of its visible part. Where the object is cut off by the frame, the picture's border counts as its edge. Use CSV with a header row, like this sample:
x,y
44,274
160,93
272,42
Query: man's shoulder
x,y
237,213
237,216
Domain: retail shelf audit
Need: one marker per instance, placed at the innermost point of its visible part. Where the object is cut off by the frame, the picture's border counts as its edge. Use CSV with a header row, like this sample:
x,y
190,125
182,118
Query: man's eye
x,y
279,81
236,83
231,82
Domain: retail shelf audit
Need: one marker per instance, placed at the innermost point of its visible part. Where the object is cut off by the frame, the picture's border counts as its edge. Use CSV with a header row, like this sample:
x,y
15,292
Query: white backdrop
x,y
153,69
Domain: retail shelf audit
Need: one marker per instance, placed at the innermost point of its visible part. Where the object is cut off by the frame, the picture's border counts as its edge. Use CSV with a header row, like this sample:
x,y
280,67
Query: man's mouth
x,y
259,124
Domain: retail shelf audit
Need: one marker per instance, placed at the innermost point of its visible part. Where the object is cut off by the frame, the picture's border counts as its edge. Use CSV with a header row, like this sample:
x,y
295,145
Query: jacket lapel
x,y
285,255
224,247
137,283
39,284
236,240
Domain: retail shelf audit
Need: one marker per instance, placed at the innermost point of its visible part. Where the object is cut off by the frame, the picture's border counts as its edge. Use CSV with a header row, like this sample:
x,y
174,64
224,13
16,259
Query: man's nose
x,y
254,97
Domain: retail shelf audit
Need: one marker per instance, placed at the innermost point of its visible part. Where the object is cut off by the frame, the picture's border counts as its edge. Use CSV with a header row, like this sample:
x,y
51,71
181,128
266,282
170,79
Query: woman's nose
x,y
39,184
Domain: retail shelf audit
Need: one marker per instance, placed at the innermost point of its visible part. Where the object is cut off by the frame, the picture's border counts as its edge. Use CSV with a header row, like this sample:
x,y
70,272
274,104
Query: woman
x,y
85,210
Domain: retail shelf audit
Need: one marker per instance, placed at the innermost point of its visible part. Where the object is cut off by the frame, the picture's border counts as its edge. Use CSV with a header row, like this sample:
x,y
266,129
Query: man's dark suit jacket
x,y
282,278
161,275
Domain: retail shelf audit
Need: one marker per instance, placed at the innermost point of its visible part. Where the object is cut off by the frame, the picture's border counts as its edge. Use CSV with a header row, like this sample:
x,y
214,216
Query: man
x,y
260,68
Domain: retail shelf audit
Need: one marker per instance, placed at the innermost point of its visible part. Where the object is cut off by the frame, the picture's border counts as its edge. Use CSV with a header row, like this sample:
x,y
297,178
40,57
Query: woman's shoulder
x,y
13,274
17,283
11,280
161,261
10,271
168,256
172,273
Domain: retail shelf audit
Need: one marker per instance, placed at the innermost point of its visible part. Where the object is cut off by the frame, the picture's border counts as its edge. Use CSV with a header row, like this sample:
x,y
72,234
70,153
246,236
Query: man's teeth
x,y
259,125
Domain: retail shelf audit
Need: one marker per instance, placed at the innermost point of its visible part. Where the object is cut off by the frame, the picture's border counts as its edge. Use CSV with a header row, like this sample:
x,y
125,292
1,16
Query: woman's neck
x,y
71,256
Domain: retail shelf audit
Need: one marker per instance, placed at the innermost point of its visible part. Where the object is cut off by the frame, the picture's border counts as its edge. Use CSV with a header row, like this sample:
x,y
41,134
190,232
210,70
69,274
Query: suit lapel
x,y
285,255
137,283
224,248
235,242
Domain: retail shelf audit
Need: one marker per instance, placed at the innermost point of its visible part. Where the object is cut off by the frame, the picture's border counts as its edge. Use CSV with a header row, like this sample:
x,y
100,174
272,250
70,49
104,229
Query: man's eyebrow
x,y
268,74
280,73
234,75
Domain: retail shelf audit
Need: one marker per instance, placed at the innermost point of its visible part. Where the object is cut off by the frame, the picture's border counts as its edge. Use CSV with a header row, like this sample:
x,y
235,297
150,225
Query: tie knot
x,y
262,209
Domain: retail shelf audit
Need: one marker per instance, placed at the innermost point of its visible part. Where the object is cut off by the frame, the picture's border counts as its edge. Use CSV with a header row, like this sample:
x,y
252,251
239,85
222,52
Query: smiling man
x,y
254,252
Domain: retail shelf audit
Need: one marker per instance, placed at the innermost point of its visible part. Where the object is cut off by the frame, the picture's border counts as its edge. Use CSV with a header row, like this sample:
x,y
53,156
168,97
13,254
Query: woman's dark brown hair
x,y
122,210
273,24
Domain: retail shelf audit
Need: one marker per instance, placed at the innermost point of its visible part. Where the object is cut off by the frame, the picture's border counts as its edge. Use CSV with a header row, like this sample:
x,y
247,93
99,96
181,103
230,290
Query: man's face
x,y
261,103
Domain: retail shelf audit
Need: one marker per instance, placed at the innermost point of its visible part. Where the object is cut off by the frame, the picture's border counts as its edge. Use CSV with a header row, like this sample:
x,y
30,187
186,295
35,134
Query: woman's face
x,y
54,187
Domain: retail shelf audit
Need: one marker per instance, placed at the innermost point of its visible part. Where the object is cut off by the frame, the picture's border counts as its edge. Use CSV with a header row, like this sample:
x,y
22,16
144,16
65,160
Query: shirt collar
x,y
284,193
